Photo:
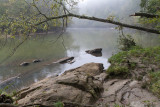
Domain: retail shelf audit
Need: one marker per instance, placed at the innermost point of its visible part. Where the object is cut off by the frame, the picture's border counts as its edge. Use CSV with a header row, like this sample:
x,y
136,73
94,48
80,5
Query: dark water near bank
x,y
49,49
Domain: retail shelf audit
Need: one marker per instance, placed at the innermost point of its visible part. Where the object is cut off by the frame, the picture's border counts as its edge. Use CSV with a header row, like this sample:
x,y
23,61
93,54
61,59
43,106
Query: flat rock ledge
x,y
87,85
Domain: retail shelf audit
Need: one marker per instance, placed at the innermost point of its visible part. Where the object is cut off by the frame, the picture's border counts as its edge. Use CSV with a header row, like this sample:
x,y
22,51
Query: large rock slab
x,y
128,93
91,69
77,85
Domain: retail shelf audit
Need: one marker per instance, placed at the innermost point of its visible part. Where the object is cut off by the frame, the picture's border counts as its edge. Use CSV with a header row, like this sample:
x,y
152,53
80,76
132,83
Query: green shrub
x,y
154,83
126,42
117,105
118,58
118,71
59,104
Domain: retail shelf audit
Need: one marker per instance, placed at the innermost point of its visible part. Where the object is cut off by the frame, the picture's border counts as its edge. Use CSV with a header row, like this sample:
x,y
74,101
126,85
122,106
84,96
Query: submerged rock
x,y
65,60
37,60
95,52
24,64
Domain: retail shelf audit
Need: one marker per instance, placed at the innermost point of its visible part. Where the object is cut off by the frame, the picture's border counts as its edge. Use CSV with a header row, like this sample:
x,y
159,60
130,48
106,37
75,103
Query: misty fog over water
x,y
119,9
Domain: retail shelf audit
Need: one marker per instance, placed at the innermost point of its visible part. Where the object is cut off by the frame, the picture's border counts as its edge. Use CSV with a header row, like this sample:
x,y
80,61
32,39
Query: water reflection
x,y
76,42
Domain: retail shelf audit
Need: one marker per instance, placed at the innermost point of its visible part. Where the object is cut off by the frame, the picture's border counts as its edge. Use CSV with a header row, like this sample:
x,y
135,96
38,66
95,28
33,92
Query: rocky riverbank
x,y
132,80
87,85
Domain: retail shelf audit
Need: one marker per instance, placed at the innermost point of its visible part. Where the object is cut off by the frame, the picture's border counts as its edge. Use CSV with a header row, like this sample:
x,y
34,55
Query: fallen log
x,y
64,60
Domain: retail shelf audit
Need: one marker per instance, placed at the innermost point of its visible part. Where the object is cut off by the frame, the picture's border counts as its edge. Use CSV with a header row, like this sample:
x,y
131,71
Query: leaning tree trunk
x,y
100,20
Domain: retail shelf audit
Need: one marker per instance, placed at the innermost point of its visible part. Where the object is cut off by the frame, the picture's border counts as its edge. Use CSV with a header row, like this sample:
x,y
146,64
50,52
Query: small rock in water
x,y
70,62
24,64
95,52
37,60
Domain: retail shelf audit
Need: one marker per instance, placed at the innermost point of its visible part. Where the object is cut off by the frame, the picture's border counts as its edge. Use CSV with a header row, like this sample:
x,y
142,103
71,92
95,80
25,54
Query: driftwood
x,y
64,60
147,15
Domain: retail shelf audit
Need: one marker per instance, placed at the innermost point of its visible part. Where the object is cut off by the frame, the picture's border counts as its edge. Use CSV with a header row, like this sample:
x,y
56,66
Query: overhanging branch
x,y
147,15
100,20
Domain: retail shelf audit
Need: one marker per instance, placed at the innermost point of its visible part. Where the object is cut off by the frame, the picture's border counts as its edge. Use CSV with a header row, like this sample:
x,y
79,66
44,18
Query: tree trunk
x,y
101,20
147,15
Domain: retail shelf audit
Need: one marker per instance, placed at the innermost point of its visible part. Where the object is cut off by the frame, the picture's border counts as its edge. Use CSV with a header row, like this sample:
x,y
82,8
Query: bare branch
x,y
34,4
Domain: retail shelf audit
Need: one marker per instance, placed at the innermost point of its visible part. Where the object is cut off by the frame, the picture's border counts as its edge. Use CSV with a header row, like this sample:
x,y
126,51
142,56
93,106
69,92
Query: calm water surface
x,y
46,47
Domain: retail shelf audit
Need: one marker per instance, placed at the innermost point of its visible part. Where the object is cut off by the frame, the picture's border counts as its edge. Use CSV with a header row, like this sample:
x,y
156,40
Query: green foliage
x,y
124,62
117,105
118,58
59,104
153,7
154,83
151,54
117,70
22,17
126,42
149,103
150,6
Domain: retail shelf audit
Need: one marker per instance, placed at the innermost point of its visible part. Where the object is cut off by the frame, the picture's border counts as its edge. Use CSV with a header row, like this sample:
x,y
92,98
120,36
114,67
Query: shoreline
x,y
95,87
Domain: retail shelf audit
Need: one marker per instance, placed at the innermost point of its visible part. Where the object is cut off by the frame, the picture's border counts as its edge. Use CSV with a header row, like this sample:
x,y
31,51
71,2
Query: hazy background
x,y
121,9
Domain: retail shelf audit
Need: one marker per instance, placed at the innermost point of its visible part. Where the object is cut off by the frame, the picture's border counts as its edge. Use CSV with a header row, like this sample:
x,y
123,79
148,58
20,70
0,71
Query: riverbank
x,y
142,64
132,80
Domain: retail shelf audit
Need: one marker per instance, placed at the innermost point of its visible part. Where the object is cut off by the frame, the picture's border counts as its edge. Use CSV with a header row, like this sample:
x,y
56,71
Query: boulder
x,y
91,69
65,60
77,86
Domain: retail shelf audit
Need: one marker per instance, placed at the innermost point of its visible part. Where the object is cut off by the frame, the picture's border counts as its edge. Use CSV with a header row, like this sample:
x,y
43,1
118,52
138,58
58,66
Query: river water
x,y
74,42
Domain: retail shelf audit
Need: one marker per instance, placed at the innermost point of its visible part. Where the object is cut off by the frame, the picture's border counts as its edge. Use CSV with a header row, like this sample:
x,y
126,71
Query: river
x,y
74,42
